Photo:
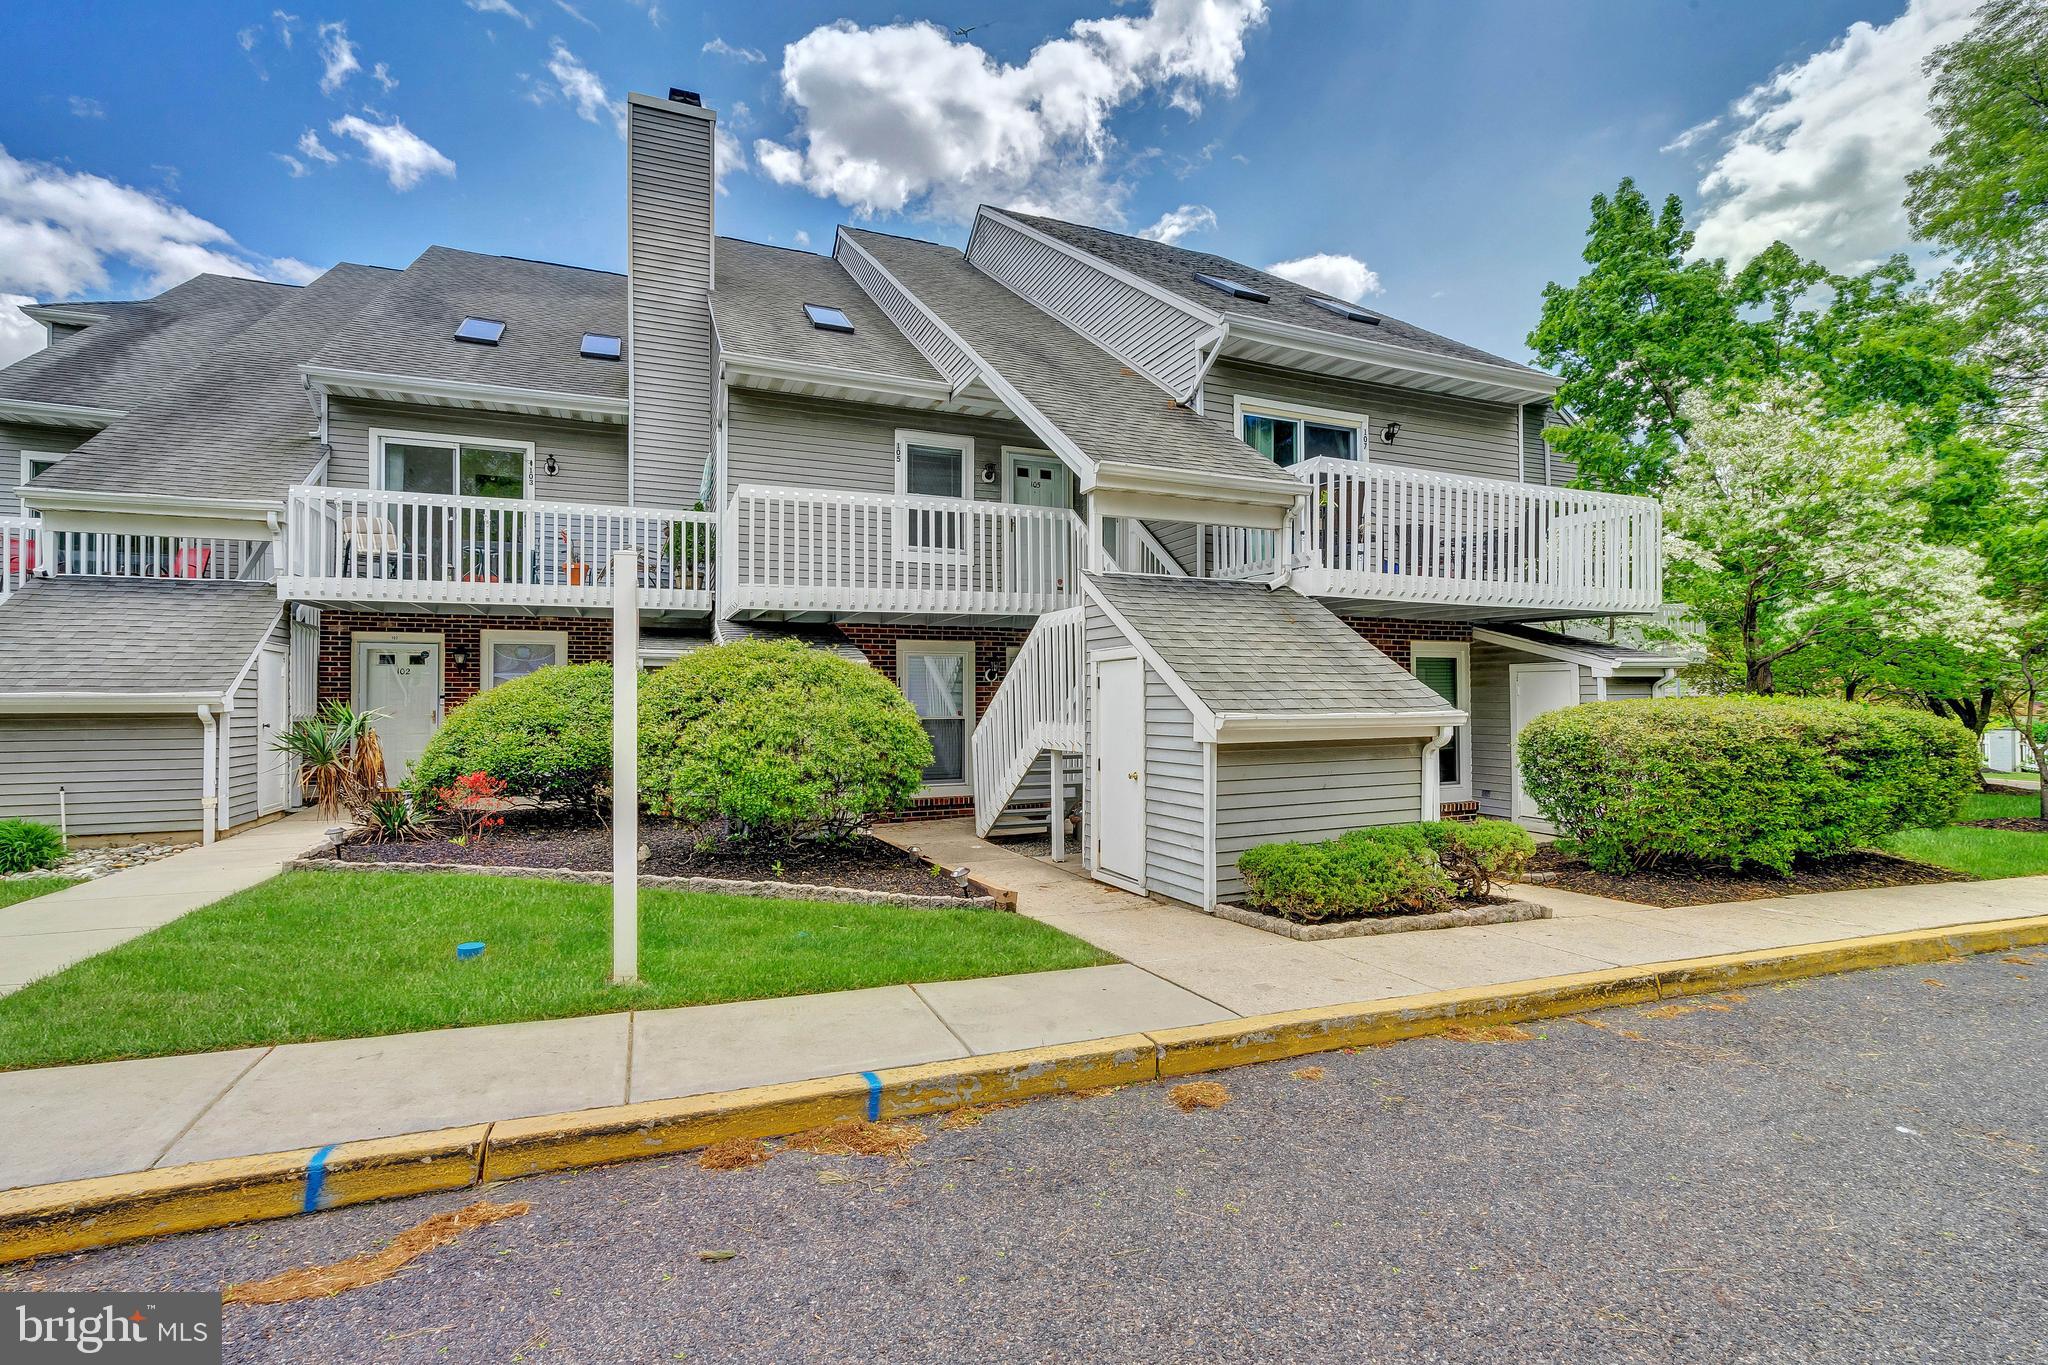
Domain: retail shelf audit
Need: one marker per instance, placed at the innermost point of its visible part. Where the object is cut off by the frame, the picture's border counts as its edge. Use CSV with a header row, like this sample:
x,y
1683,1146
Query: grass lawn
x,y
352,954
2015,777
1981,852
28,888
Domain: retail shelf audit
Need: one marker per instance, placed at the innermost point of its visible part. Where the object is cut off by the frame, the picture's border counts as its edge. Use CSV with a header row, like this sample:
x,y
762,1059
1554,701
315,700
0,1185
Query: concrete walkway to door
x,y
1249,971
51,932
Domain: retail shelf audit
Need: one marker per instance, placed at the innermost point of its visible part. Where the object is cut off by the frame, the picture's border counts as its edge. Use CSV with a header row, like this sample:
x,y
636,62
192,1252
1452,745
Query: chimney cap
x,y
689,97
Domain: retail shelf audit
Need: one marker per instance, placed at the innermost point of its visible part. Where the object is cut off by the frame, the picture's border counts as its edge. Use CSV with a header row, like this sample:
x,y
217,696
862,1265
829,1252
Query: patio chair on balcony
x,y
21,556
192,561
370,546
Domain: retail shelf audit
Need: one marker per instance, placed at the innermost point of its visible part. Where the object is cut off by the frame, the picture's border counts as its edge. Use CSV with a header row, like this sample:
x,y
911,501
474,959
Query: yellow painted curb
x,y
1703,975
934,1087
46,1220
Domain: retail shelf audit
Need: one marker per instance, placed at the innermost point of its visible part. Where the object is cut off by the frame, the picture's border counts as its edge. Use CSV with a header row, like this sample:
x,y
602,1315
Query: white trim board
x,y
1602,667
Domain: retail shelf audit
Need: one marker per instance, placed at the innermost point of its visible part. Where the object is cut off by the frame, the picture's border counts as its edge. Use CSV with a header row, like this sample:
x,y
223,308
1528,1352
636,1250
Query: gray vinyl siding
x,y
669,269
1176,813
917,326
43,440
1153,336
1535,450
1304,792
120,774
1492,742
245,738
1451,435
792,442
590,458
1631,689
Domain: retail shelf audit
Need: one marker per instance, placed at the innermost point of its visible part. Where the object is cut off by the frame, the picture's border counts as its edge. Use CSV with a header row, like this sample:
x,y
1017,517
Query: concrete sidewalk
x,y
51,932
1182,968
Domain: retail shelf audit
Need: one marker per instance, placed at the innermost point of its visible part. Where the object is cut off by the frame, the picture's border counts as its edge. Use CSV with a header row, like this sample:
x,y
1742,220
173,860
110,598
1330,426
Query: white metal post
x,y
625,575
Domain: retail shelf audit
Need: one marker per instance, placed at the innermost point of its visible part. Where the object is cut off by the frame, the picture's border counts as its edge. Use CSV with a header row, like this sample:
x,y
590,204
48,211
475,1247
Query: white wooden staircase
x,y
1038,711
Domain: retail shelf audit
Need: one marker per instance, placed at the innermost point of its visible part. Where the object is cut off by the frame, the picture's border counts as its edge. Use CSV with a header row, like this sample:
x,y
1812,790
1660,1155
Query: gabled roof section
x,y
1112,418
546,309
1599,655
68,643
758,306
138,346
238,425
1174,268
1258,658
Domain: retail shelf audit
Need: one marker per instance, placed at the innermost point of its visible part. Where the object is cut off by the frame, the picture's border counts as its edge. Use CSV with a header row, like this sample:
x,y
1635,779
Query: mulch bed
x,y
553,839
1690,885
2028,826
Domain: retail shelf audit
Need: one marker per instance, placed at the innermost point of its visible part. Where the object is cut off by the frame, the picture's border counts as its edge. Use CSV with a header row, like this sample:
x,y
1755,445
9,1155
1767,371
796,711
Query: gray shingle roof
x,y
759,304
1173,268
1116,418
236,426
130,636
823,637
140,346
1244,649
1617,654
546,309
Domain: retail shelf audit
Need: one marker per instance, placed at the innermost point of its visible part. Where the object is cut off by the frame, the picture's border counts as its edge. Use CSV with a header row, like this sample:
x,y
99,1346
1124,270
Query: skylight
x,y
601,346
1233,288
482,331
827,319
1345,310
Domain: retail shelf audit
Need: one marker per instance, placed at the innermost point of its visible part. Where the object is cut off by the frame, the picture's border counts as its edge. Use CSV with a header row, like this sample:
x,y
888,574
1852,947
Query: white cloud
x,y
1178,223
903,116
801,238
293,164
381,74
1818,154
403,155
719,47
292,271
503,7
247,37
337,55
653,8
578,15
287,27
727,155
1341,277
61,231
311,147
20,334
1692,136
85,107
582,88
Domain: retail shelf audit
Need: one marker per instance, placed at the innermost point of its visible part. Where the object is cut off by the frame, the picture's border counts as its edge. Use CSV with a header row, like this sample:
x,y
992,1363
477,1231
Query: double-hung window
x,y
931,465
1446,669
1287,434
938,677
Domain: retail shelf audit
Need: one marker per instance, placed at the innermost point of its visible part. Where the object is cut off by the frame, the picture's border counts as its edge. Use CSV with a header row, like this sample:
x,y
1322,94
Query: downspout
x,y
1432,783
208,754
1657,687
224,768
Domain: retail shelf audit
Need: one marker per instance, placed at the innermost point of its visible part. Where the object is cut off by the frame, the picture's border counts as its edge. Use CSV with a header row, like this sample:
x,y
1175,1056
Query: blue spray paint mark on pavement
x,y
316,1177
874,1095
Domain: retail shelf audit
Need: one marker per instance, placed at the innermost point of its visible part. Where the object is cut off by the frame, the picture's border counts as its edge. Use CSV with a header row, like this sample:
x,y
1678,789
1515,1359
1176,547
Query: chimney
x,y
669,233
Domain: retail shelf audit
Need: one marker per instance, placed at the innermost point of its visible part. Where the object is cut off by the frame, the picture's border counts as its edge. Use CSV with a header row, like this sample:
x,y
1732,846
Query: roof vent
x,y
828,319
1233,288
689,97
1345,310
600,346
481,331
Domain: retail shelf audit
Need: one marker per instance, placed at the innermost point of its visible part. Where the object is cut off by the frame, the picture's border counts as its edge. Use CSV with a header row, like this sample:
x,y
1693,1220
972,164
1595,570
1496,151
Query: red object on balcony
x,y
21,556
191,562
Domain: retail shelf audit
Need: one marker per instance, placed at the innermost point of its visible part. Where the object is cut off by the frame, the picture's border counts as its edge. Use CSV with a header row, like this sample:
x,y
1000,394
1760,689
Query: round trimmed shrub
x,y
1740,781
29,845
547,736
1383,870
778,739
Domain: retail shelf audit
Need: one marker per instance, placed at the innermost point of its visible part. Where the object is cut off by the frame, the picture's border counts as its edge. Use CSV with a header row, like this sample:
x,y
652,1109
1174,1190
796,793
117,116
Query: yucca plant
x,y
339,758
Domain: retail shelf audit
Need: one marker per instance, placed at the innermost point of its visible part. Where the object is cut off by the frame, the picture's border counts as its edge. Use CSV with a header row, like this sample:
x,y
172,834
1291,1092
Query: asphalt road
x,y
1845,1169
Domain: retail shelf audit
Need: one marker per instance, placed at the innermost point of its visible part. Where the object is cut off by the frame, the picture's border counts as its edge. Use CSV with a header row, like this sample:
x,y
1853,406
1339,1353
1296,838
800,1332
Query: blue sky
x,y
1442,154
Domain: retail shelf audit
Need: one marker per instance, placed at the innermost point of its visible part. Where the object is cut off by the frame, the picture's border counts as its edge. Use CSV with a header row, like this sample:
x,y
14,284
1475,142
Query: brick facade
x,y
590,641
1390,635
991,650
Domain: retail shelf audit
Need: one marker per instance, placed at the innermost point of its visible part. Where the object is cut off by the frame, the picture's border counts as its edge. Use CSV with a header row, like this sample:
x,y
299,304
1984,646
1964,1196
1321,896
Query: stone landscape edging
x,y
793,891
47,1220
1465,917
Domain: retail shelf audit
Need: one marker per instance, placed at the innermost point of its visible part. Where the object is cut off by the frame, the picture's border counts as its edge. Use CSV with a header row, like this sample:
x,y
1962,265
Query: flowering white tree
x,y
1788,529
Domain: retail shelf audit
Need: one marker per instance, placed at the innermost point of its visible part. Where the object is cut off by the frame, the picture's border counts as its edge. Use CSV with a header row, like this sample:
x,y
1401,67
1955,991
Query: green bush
x,y
547,736
28,845
778,739
1383,869
1736,781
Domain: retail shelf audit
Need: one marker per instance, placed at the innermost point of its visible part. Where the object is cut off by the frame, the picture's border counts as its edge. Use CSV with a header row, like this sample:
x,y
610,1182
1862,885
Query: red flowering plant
x,y
477,801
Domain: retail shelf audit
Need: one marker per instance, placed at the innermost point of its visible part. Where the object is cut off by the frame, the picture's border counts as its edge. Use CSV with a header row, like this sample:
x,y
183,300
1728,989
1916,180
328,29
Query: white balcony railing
x,y
1385,533
1038,707
353,544
807,549
196,559
22,552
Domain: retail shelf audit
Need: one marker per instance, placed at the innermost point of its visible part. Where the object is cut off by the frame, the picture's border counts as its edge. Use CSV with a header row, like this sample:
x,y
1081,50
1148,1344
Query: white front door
x,y
1119,743
273,717
401,679
1532,690
1038,479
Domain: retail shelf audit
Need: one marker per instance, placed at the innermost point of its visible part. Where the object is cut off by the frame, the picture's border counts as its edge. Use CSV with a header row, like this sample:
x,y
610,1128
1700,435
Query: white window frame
x,y
1460,790
29,457
906,650
900,528
1244,406
487,638
382,436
